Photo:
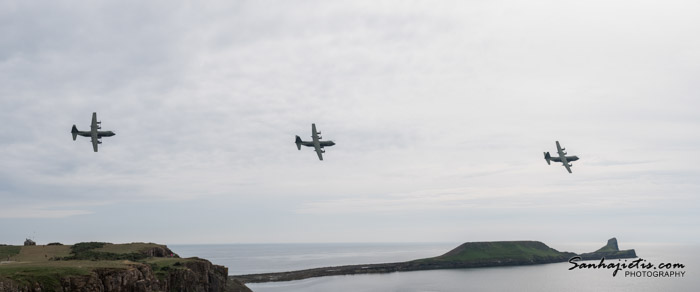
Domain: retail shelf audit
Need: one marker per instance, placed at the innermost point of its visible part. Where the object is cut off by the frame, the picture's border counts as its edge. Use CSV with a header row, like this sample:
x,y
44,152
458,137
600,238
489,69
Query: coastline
x,y
375,269
467,255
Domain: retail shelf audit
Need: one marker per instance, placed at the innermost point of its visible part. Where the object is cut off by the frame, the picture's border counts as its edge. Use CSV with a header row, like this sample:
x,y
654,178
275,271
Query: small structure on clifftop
x,y
29,242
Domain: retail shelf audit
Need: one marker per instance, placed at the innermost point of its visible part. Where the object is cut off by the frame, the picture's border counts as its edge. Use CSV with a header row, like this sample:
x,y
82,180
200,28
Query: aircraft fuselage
x,y
568,158
321,143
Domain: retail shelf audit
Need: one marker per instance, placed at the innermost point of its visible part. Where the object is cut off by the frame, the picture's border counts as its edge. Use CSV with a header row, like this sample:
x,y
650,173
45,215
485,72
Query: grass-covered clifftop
x,y
92,266
107,251
6,251
500,250
522,252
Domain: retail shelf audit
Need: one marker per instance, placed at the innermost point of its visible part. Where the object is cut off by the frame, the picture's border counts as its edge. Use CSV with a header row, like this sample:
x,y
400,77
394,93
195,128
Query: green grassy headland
x,y
500,250
8,251
46,264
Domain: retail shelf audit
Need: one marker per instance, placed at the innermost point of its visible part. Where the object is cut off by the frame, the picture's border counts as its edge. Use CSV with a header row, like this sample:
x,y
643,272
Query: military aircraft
x,y
316,142
94,134
562,157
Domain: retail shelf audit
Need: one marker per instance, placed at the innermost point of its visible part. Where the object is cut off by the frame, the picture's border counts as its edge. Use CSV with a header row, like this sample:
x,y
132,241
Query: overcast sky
x,y
440,111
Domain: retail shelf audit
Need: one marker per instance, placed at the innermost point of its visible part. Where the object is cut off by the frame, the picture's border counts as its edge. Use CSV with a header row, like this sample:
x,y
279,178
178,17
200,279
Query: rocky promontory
x,y
467,255
98,266
609,251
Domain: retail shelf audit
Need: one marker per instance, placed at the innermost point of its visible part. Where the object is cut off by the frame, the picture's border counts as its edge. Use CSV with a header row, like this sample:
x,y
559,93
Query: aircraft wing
x,y
317,141
319,152
93,131
93,125
95,141
568,168
559,150
314,133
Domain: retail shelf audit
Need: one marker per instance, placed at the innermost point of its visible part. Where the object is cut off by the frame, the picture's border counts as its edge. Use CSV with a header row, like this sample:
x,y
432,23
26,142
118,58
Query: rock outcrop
x,y
159,252
198,276
193,275
137,278
234,285
609,251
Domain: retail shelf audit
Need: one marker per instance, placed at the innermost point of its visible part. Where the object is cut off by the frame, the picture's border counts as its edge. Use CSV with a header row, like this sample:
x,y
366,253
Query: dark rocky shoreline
x,y
379,269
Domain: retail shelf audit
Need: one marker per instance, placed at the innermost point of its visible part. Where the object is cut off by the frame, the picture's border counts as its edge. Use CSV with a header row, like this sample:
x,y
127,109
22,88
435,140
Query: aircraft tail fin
x,y
298,142
547,157
74,131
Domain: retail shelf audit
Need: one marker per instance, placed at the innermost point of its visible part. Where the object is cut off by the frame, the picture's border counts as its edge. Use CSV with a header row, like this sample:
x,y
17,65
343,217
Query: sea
x,y
265,258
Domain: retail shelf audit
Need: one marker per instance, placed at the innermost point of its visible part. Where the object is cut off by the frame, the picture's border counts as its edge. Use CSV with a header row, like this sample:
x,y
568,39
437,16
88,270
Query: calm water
x,y
261,258
266,258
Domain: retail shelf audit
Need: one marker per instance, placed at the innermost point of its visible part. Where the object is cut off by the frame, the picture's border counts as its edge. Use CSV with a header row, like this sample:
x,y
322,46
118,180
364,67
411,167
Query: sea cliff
x,y
195,276
95,266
